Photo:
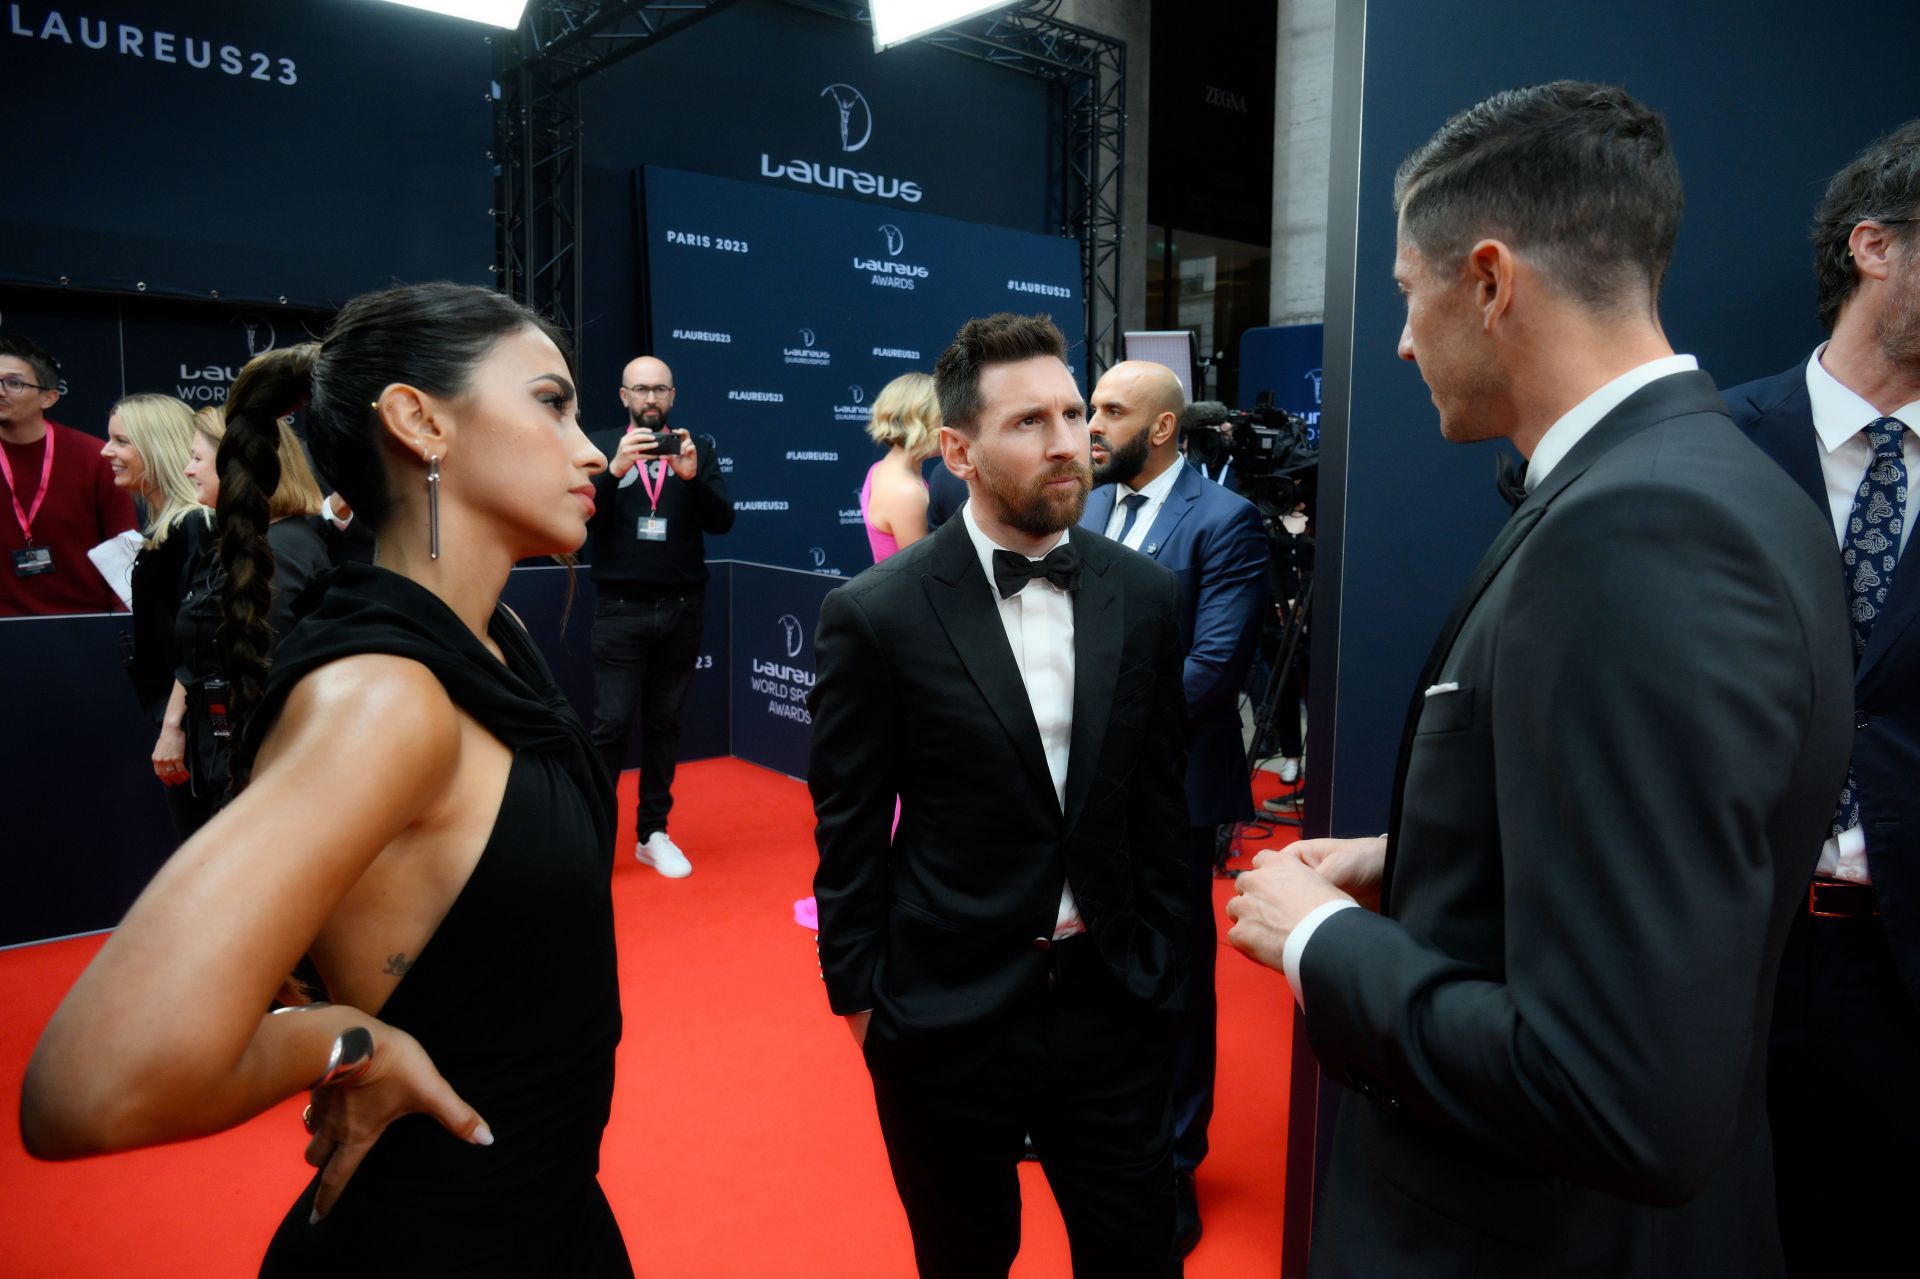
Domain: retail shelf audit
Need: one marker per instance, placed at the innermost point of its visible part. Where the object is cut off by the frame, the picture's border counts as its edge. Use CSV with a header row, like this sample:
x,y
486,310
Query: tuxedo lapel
x,y
1903,606
1518,525
1784,431
1099,625
962,600
1186,491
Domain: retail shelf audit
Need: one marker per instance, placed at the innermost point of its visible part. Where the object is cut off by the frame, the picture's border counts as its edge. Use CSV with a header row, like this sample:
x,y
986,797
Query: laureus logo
x,y
259,333
856,117
856,130
896,241
807,355
795,635
859,394
819,555
1313,376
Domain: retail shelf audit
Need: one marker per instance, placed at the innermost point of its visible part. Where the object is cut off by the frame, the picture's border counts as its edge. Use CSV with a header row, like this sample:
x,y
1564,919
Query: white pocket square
x,y
1451,686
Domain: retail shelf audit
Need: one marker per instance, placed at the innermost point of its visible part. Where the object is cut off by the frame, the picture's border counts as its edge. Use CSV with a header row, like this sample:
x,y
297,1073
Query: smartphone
x,y
665,443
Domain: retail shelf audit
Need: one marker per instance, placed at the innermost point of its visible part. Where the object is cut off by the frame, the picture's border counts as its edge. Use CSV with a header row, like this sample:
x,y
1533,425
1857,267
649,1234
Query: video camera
x,y
1273,455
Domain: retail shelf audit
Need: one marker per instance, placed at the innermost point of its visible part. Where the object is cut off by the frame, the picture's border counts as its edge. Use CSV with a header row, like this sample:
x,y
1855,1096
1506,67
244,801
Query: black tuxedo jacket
x,y
918,696
1777,415
1612,789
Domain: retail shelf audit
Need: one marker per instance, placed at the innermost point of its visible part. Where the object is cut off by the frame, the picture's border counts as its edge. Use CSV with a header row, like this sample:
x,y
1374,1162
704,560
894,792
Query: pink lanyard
x,y
654,484
25,516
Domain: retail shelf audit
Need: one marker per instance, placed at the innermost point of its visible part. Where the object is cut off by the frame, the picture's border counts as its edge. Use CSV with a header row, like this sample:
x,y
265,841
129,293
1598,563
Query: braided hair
x,y
429,336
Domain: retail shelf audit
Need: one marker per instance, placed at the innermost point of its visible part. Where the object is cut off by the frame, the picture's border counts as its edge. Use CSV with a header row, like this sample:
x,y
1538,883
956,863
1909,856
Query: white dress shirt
x,y
1039,626
1155,491
1840,419
1569,430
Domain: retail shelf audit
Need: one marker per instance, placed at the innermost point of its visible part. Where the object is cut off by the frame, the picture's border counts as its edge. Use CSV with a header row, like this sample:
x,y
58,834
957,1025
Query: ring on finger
x,y
306,1117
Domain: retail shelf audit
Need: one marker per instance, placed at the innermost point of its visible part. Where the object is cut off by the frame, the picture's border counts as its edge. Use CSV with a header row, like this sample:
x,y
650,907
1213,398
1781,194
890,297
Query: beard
x,y
1034,508
1897,332
1123,464
650,417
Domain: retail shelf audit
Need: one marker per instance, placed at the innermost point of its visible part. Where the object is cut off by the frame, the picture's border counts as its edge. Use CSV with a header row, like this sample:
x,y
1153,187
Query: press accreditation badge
x,y
32,561
653,528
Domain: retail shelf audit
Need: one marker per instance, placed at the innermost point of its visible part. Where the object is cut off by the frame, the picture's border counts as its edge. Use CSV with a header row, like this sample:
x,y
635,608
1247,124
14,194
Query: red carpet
x,y
743,1140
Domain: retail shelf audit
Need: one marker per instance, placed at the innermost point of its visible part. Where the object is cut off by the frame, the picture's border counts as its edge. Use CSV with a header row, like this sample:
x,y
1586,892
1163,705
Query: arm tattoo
x,y
397,965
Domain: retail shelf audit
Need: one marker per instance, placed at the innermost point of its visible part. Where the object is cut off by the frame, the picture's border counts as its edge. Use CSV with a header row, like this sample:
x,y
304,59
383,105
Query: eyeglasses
x,y
650,392
13,385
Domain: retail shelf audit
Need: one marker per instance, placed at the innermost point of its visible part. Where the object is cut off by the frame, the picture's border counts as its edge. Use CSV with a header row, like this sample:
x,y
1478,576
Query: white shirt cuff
x,y
1297,943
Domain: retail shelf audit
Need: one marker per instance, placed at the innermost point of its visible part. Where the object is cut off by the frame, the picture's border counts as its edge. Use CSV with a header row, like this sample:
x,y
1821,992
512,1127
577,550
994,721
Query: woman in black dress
x,y
418,811
149,438
299,555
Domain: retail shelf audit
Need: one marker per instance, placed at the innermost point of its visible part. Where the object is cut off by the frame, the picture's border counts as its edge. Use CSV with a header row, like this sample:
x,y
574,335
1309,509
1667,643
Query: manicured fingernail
x,y
482,1136
313,1218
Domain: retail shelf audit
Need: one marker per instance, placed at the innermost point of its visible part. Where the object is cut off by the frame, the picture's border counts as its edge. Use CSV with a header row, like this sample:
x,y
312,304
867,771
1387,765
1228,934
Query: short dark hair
x,y
1003,338
1579,177
46,369
1881,184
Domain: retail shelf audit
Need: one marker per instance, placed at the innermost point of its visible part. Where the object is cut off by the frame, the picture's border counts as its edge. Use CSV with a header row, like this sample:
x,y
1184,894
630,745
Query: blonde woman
x,y
299,555
149,444
893,501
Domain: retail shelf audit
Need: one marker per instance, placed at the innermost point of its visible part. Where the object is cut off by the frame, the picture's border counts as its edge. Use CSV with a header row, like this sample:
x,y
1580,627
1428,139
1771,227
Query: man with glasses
x,y
1846,1023
57,497
659,497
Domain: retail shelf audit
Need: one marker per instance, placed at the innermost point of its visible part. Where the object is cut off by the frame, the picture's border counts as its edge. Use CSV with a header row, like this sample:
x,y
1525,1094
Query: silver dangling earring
x,y
433,506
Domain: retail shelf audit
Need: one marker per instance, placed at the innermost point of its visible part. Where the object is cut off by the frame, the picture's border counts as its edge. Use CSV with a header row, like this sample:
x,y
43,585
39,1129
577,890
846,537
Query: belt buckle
x,y
1839,889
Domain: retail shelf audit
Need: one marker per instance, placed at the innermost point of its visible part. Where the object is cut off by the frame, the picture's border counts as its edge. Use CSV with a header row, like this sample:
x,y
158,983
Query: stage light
x,y
897,21
497,13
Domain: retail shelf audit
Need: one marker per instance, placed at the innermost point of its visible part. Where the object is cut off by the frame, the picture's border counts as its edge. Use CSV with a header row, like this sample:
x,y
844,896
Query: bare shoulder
x,y
366,714
905,487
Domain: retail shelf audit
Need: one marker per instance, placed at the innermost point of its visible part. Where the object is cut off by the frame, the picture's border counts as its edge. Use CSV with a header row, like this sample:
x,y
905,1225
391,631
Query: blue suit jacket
x,y
1777,415
1215,544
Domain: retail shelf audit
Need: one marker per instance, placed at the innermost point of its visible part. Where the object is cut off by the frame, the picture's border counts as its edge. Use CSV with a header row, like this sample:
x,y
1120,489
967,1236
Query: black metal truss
x,y
560,43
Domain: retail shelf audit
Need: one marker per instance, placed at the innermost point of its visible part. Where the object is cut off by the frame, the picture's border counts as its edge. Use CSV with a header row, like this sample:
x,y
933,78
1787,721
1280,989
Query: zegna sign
x,y
855,120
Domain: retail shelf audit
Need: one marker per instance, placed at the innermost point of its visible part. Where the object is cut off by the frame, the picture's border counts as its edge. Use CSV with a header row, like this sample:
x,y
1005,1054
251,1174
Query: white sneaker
x,y
664,856
1289,770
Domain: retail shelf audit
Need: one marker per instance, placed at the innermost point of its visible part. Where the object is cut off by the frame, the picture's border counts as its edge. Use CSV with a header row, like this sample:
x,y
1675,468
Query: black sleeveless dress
x,y
515,998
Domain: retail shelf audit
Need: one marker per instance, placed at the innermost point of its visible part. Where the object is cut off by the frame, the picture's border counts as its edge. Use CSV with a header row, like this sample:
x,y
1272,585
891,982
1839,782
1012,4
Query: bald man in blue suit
x,y
1151,501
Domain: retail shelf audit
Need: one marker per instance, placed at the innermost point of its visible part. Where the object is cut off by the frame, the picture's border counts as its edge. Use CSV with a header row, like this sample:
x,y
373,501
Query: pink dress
x,y
882,544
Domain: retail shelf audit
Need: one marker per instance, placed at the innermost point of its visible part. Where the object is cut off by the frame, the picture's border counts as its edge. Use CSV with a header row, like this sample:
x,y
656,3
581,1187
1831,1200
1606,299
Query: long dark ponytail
x,y
428,336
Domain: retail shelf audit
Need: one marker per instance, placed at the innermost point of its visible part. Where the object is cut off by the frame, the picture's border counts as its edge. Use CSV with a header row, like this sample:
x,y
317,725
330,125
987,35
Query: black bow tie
x,y
1011,571
1510,480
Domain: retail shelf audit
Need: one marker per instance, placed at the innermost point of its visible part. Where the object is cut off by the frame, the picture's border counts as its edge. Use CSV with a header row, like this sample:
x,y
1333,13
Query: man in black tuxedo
x,y
1846,1027
1009,956
1614,774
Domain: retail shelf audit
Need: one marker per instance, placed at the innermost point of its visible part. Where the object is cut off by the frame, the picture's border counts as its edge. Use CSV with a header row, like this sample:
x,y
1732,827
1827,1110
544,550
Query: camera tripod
x,y
1265,715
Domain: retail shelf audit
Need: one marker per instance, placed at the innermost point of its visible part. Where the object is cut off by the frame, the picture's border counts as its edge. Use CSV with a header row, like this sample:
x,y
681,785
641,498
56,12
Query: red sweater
x,y
81,510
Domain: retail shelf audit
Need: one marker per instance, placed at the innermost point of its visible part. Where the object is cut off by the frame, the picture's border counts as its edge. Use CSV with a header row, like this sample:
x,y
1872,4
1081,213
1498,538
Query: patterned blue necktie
x,y
1869,555
1133,502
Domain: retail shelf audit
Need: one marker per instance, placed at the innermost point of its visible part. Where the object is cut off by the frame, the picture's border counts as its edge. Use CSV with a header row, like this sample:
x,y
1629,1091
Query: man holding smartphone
x,y
659,497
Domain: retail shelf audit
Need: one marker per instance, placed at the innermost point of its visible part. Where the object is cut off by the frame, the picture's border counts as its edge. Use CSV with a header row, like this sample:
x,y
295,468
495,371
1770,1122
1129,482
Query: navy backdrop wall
x,y
783,314
756,91
110,346
297,152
